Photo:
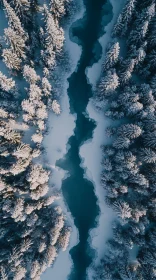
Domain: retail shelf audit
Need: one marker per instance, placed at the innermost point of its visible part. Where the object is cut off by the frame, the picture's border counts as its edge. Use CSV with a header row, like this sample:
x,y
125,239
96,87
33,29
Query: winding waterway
x,y
79,192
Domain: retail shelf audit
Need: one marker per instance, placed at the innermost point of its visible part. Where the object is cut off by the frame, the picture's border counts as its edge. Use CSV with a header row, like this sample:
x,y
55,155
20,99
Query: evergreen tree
x,y
109,83
32,229
128,163
111,56
124,18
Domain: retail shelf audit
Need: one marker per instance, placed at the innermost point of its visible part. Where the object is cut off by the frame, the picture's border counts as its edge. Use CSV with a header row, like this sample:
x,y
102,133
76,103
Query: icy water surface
x,y
78,192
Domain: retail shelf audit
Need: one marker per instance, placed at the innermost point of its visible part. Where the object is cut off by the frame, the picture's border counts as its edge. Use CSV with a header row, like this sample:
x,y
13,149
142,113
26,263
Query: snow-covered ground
x,y
133,253
61,128
91,153
93,72
91,156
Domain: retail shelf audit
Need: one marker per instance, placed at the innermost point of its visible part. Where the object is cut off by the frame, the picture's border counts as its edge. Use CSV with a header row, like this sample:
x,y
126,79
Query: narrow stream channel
x,y
79,192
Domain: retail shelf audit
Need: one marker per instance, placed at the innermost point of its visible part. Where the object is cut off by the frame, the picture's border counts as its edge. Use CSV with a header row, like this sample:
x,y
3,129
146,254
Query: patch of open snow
x,y
3,22
91,157
133,253
93,72
61,128
91,153
63,264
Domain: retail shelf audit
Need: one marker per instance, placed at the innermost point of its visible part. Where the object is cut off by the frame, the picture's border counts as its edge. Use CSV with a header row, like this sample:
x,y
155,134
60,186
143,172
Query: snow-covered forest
x,y
33,228
126,93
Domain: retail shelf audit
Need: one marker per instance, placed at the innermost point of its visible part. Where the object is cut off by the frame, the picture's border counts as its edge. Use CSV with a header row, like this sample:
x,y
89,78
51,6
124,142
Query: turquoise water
x,y
78,192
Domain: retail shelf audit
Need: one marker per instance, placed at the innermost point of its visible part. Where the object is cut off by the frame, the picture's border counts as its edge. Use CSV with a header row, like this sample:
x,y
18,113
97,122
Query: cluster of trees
x,y
32,229
127,90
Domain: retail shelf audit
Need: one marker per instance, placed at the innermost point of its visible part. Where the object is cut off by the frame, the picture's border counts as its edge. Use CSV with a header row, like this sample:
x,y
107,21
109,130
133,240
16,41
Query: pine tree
x,y
22,9
123,210
131,131
148,155
149,139
58,7
30,74
138,35
56,107
6,84
124,18
14,21
111,56
64,239
16,43
121,142
50,255
126,71
11,59
54,37
109,83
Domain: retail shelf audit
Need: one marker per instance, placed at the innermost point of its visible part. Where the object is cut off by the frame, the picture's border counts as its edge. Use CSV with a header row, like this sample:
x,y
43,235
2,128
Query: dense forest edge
x,y
126,93
33,228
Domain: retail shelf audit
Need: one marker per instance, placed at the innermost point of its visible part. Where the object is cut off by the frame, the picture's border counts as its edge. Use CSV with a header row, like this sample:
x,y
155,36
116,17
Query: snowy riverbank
x,y
94,72
61,128
91,156
91,153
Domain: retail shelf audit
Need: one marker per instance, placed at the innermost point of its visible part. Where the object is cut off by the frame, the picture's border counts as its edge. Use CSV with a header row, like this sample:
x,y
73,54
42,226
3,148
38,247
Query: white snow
x,y
93,73
61,128
3,22
91,156
133,253
63,264
91,153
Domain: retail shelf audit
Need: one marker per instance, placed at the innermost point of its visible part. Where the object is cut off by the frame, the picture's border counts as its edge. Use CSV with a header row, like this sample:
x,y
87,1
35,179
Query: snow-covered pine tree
x,y
109,83
124,18
53,37
111,56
